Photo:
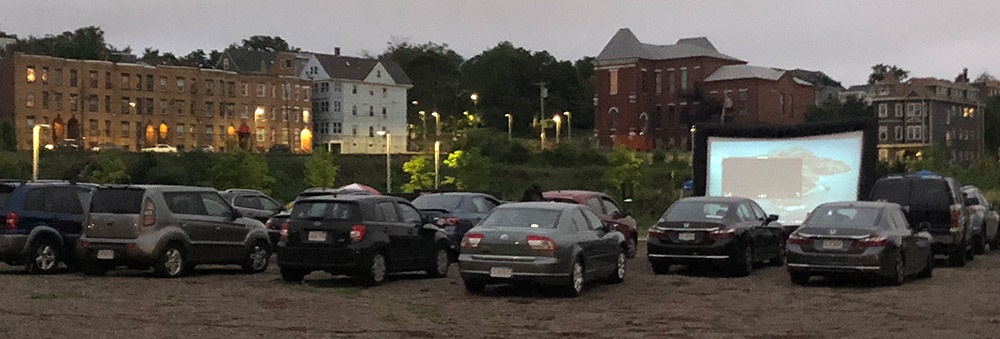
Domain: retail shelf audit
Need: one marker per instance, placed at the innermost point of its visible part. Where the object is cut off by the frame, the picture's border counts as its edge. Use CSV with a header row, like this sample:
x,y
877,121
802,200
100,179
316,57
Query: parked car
x,y
937,200
203,148
366,236
606,208
983,217
42,222
868,238
161,148
731,231
64,146
548,243
252,203
273,224
456,212
107,147
168,228
279,148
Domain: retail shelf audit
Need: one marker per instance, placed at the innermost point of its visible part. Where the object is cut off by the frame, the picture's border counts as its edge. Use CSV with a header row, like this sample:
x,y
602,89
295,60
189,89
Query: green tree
x,y
85,43
433,70
880,71
321,169
8,137
421,174
625,167
108,168
241,169
471,169
833,109
268,43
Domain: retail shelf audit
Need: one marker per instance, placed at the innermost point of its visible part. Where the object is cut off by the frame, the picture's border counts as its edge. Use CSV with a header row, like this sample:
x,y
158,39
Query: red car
x,y
606,208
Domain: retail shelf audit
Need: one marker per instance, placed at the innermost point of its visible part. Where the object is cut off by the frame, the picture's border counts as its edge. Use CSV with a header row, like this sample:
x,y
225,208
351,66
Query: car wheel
x,y
376,271
171,263
970,252
574,286
618,275
633,247
45,256
898,270
292,275
474,286
660,267
778,260
799,278
439,267
957,257
980,247
257,258
743,265
929,269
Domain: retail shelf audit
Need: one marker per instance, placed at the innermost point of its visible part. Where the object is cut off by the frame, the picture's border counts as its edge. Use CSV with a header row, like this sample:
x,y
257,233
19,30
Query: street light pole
x,y
558,126
510,124
423,120
35,134
388,161
437,124
569,125
437,164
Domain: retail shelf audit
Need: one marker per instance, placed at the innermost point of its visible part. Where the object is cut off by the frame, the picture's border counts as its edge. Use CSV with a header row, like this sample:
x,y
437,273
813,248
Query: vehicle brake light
x,y
148,213
11,221
449,221
358,233
658,233
722,233
955,214
796,239
540,243
284,232
873,241
472,240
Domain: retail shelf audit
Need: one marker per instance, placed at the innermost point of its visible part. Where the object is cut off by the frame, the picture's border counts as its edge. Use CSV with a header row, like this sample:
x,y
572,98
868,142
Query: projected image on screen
x,y
788,177
783,179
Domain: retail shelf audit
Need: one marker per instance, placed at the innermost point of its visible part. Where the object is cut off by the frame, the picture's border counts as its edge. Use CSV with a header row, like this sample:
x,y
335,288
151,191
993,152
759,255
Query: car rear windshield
x,y
117,200
522,217
913,192
325,210
438,202
697,211
844,217
5,193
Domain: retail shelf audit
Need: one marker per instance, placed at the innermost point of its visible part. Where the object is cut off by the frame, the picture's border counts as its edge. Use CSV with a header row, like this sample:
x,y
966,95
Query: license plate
x,y
317,236
833,244
105,254
501,272
686,236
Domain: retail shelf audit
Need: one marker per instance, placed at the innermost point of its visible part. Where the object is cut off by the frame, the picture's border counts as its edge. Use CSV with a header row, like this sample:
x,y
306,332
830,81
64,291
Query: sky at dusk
x,y
842,38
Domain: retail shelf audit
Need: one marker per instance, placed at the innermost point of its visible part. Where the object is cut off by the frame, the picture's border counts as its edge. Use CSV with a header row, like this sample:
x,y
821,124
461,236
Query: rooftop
x,y
625,45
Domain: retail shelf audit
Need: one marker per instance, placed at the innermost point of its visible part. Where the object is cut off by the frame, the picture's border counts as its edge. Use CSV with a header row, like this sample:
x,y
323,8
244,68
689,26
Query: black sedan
x,y
866,238
366,236
731,231
456,212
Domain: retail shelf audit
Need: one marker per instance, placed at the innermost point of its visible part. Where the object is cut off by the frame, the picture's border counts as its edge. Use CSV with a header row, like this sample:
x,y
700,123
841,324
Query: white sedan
x,y
161,148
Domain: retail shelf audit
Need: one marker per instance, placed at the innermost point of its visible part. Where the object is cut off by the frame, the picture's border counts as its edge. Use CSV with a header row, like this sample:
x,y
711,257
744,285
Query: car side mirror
x,y
771,218
606,227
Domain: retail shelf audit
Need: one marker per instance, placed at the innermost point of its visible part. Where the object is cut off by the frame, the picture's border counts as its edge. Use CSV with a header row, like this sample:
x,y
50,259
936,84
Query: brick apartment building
x,y
649,96
136,105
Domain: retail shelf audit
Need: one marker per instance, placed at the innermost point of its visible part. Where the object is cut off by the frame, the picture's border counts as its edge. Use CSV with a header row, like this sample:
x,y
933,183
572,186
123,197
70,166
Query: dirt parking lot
x,y
219,302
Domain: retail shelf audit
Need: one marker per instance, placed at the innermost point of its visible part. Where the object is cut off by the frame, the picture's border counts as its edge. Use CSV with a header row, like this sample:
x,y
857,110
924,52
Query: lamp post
x,y
423,120
510,125
437,164
475,102
437,124
692,138
558,121
569,125
35,134
388,161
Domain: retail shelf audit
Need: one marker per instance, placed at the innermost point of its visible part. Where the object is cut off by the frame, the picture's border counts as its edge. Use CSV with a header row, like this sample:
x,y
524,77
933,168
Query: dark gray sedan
x,y
869,238
548,243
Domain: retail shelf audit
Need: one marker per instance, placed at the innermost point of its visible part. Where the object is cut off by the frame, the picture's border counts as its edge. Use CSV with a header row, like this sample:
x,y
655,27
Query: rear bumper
x,y
945,243
662,250
870,261
539,270
125,252
340,260
12,246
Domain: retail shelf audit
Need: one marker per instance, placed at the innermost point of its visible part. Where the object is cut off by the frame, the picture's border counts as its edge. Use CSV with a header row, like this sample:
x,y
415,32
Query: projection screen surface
x,y
788,176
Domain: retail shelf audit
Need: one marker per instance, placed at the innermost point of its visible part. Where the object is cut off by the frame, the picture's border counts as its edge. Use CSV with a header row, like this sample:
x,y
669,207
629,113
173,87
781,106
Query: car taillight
x,y
955,214
658,233
872,241
358,233
11,221
722,233
540,243
284,232
148,213
268,225
796,239
471,240
449,221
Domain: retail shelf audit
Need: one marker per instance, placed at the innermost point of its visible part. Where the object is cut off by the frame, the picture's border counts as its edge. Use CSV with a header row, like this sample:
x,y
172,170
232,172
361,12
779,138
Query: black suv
x,y
360,235
937,200
43,221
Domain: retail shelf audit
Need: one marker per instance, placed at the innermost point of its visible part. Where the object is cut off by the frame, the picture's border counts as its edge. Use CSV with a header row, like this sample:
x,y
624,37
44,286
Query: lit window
x,y
613,81
31,74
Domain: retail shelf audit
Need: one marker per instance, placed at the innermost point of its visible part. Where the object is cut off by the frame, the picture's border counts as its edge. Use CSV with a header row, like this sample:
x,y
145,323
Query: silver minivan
x,y
168,228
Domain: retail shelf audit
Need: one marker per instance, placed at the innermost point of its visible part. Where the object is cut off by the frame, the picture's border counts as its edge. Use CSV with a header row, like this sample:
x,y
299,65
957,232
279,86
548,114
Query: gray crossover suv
x,y
168,228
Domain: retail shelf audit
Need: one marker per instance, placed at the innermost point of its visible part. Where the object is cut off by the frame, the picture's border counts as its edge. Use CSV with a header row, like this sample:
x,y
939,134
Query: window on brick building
x,y
659,82
613,81
642,81
30,77
883,133
613,115
29,100
672,80
883,110
92,76
107,104
180,84
73,78
899,133
684,78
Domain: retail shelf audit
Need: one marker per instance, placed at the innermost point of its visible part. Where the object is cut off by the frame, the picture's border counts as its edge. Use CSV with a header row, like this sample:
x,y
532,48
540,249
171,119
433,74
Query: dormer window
x,y
378,73
225,64
288,63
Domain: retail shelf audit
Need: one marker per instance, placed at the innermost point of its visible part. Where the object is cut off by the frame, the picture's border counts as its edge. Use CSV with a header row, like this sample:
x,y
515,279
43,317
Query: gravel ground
x,y
219,302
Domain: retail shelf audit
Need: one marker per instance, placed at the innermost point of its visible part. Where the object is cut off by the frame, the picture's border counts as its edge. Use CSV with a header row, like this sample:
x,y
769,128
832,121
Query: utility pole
x,y
543,92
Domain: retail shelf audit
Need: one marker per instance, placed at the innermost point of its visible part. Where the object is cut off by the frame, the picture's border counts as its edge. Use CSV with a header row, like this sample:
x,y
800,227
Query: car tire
x,y
958,257
898,276
928,269
574,287
43,256
633,247
374,273
258,256
660,266
439,264
743,265
171,263
474,286
292,275
980,246
799,278
618,276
